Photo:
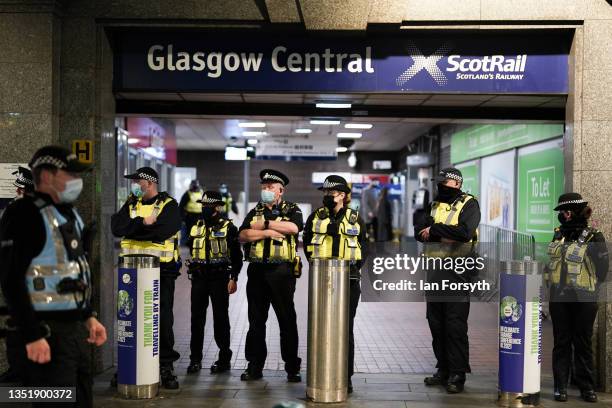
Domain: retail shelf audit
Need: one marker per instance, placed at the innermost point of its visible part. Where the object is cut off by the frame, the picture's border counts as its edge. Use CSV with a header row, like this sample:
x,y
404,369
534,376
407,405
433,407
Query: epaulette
x,y
352,216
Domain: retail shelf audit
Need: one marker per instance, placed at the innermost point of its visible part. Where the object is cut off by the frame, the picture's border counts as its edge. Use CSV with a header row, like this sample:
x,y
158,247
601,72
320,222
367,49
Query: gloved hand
x,y
332,229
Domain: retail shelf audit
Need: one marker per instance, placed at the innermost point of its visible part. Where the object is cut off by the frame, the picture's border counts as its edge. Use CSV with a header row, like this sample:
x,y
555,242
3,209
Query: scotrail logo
x,y
429,64
486,67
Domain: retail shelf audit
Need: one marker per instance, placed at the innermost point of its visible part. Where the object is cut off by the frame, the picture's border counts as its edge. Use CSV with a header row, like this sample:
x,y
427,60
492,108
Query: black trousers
x,y
204,286
167,354
271,284
573,325
448,323
70,364
354,294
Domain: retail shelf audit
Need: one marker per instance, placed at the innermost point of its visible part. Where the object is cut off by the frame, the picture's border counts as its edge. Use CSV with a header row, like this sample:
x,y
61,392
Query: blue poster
x,y
512,332
127,320
178,60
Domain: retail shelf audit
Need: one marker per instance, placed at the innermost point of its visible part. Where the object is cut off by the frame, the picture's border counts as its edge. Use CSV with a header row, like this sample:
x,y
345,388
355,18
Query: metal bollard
x,y
138,326
520,334
328,316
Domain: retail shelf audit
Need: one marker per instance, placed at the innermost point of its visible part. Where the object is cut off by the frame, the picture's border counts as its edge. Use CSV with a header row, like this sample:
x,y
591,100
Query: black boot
x,y
168,379
455,383
194,367
113,381
219,367
349,388
588,395
251,374
560,394
294,377
439,378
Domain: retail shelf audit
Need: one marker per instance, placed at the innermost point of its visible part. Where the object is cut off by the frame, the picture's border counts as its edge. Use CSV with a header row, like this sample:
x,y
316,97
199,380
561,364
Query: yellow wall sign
x,y
84,150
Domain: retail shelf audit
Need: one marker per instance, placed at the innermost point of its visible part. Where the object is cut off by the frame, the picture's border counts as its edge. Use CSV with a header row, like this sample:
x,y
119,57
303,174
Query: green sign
x,y
540,182
484,140
471,182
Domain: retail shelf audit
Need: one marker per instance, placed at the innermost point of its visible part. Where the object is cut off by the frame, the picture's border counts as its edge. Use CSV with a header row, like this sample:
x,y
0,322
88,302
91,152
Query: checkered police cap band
x,y
148,177
53,161
208,200
571,202
452,176
269,176
24,180
330,185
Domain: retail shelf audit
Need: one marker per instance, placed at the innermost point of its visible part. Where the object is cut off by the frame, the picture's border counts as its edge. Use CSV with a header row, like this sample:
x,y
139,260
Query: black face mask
x,y
329,203
446,193
207,214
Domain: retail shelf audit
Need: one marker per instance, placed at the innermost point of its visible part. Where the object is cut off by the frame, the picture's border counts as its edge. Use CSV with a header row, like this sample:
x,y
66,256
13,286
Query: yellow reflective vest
x,y
227,203
269,249
448,214
193,206
166,251
210,242
321,244
580,267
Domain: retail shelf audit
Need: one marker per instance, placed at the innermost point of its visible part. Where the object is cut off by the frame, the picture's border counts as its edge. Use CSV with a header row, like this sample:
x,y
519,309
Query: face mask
x,y
562,218
267,197
223,190
71,192
445,192
137,190
207,213
329,203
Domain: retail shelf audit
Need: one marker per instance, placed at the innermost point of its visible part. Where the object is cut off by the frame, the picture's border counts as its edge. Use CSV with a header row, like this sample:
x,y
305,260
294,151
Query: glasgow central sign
x,y
207,61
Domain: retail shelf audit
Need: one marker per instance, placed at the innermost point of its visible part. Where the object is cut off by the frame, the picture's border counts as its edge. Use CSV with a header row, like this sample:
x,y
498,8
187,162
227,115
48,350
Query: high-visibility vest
x,y
321,244
580,267
210,242
193,206
53,265
166,251
269,249
448,214
227,203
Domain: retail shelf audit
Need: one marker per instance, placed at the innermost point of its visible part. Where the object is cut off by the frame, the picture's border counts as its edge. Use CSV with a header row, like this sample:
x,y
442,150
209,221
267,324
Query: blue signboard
x,y
413,62
127,322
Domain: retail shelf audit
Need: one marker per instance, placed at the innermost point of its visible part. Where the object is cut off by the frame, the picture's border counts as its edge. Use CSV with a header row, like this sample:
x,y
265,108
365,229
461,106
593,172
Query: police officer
x,y
578,266
24,182
149,222
450,230
190,205
216,263
228,201
46,280
335,231
270,232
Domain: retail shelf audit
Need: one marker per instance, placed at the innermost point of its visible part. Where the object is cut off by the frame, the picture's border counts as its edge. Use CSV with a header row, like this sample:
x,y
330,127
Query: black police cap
x,y
211,198
334,182
144,173
273,176
58,157
569,201
24,178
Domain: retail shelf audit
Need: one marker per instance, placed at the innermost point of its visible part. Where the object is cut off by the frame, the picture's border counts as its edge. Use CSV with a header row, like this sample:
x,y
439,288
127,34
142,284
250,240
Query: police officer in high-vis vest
x,y
228,201
450,230
216,260
190,205
578,265
335,231
270,232
46,280
148,223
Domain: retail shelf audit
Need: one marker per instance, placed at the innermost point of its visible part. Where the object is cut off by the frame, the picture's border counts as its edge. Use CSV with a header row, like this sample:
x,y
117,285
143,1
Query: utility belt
x,y
198,269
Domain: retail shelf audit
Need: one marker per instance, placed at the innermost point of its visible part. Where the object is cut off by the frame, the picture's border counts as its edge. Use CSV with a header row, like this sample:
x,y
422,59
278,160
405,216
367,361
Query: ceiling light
x,y
352,160
249,133
333,105
303,130
341,149
324,122
252,124
358,126
252,141
349,135
133,140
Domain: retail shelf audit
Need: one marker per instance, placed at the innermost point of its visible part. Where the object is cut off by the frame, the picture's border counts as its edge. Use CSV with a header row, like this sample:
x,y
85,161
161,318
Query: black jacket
x,y
464,231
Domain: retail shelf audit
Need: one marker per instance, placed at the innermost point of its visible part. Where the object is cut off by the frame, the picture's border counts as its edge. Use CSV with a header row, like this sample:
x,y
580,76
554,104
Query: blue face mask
x,y
223,190
267,197
137,190
71,192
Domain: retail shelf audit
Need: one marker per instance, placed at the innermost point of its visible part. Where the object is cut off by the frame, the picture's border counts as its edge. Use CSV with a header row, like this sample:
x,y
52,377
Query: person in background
x,y
190,206
369,200
228,201
577,267
383,216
